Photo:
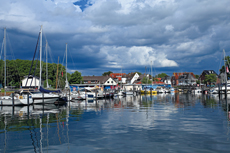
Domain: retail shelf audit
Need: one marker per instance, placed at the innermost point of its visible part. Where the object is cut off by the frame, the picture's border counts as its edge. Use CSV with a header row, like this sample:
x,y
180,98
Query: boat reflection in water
x,y
143,123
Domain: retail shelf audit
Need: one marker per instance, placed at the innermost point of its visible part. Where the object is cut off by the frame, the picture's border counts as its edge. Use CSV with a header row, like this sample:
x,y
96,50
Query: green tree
x,y
227,62
145,80
18,69
210,78
107,73
161,75
197,76
75,78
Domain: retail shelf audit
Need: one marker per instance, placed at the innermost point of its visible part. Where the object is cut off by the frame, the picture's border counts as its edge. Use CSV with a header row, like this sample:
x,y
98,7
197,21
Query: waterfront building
x,y
184,78
207,72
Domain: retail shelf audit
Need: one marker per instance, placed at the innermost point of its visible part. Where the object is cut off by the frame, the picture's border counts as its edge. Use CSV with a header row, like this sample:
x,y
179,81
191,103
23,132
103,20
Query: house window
x,y
111,81
107,81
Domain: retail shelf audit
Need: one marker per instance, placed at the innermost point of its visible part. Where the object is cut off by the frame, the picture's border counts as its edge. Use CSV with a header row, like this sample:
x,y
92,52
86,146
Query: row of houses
x,y
182,78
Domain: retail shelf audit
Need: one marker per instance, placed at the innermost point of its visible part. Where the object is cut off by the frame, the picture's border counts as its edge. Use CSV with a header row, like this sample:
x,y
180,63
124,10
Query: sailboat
x,y
12,100
65,97
226,88
44,95
147,89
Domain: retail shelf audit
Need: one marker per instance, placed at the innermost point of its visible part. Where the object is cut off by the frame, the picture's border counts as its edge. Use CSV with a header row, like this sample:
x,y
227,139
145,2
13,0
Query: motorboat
x,y
160,90
221,89
148,91
16,100
48,98
88,93
197,91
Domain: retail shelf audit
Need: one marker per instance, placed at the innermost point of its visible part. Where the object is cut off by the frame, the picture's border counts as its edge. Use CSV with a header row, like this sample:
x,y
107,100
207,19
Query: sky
x,y
152,36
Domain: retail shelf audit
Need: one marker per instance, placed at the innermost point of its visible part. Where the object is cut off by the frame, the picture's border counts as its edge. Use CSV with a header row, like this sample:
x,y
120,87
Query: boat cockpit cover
x,y
48,91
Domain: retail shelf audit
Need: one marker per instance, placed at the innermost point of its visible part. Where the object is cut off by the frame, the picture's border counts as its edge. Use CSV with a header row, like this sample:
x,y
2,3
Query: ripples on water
x,y
159,123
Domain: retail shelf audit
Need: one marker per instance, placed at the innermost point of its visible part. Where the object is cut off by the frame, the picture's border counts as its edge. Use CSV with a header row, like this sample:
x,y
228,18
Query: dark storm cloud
x,y
105,35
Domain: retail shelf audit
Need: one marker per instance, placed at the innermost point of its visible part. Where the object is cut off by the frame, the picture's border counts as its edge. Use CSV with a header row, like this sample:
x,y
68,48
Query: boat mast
x,y
151,73
66,82
5,58
40,79
57,73
225,74
121,78
47,84
66,62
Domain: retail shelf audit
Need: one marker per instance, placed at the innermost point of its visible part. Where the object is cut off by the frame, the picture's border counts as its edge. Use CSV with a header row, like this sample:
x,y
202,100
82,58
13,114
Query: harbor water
x,y
131,124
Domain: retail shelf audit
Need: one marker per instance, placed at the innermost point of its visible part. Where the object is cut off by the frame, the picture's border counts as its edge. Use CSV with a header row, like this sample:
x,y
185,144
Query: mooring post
x,y
13,103
43,98
105,94
13,99
28,100
43,103
69,95
28,104
96,94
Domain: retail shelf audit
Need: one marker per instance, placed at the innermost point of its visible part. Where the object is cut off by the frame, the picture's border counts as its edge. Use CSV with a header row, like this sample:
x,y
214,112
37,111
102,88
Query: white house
x,y
103,80
135,77
131,77
31,82
110,82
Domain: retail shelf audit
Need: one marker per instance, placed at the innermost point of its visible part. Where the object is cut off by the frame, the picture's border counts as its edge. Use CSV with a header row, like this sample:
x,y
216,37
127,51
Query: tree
x,y
75,78
210,78
145,80
197,76
161,75
139,73
107,73
227,62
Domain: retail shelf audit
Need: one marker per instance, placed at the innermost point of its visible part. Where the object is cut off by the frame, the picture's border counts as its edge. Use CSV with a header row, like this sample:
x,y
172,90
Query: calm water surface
x,y
132,124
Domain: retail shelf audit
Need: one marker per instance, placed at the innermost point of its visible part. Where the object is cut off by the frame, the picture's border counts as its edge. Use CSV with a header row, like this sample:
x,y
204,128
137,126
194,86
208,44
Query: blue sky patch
x,y
83,4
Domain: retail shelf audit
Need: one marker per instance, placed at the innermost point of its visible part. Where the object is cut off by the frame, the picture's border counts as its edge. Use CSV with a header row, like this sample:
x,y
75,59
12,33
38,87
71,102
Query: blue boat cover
x,y
48,91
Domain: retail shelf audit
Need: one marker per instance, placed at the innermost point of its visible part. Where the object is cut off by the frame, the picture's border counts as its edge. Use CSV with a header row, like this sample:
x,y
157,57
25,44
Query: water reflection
x,y
142,123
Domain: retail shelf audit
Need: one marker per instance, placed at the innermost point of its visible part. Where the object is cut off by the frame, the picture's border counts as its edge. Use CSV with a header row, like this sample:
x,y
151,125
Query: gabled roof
x,y
183,73
31,76
101,79
207,72
130,76
187,76
158,82
116,75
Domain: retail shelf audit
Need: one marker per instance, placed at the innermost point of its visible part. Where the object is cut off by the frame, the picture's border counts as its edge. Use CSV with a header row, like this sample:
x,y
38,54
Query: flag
x,y
227,70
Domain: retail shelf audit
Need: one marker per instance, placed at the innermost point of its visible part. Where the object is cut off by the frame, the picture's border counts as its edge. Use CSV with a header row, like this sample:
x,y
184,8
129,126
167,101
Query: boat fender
x,y
20,97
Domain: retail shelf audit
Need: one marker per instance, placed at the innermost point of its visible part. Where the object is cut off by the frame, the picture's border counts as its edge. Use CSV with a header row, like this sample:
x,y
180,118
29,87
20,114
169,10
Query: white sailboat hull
x,y
7,101
48,98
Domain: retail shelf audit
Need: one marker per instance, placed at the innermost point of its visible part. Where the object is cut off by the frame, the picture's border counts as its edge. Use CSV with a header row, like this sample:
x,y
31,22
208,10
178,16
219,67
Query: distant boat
x,y
197,91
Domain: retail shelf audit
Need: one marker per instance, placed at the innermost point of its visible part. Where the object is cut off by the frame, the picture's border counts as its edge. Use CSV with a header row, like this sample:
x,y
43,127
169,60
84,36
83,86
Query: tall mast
x,y
66,61
40,80
121,78
225,74
57,73
47,84
151,73
5,58
66,82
